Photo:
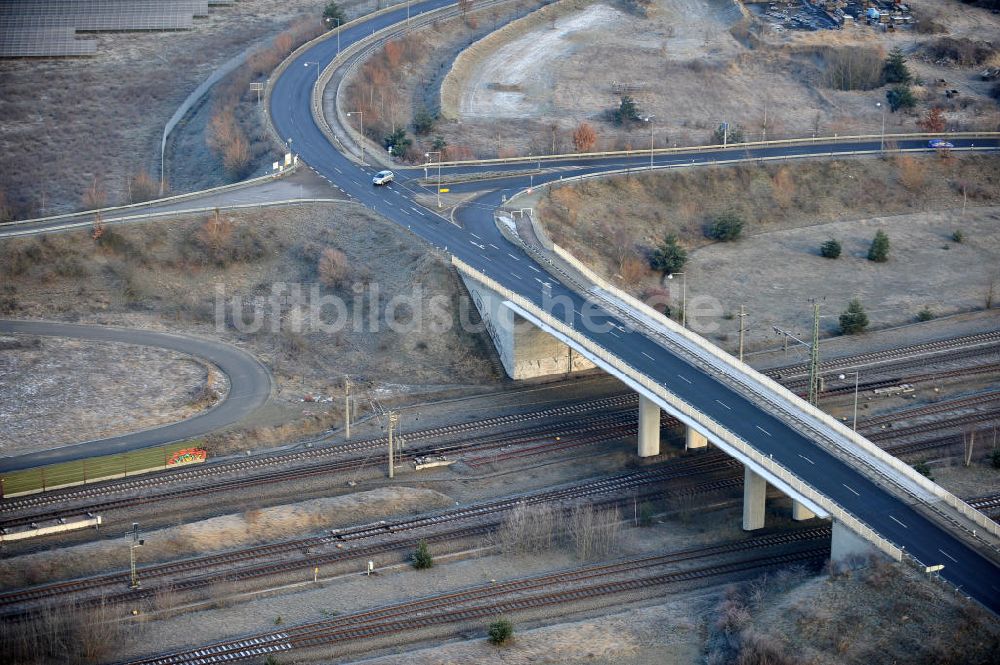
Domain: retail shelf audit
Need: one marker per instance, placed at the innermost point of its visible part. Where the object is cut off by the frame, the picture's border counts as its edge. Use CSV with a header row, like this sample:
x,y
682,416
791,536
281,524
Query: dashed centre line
x,y
898,522
724,404
806,458
948,555
763,430
852,489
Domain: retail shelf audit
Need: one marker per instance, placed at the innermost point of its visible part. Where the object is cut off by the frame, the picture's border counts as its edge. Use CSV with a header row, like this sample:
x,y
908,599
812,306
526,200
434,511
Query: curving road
x,y
249,388
476,241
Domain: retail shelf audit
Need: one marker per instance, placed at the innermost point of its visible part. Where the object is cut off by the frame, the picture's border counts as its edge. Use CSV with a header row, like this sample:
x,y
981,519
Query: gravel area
x,y
58,391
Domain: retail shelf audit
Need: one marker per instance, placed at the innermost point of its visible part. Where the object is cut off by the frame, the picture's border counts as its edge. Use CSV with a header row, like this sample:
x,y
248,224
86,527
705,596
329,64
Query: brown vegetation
x,y
333,268
592,533
72,634
584,137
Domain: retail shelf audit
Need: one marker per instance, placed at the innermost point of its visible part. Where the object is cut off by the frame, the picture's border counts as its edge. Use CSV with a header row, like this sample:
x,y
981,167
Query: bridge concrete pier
x,y
649,427
800,513
754,497
694,439
526,351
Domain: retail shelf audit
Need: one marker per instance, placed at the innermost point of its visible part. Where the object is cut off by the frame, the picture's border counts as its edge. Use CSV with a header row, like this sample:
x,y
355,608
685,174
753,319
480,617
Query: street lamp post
x,y
361,115
649,119
684,296
857,376
881,143
427,155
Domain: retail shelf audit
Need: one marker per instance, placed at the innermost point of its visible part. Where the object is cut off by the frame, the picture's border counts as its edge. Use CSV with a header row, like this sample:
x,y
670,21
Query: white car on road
x,y
383,178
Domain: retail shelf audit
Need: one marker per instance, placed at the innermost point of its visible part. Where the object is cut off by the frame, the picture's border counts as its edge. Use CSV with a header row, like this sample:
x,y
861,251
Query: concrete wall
x,y
525,351
847,545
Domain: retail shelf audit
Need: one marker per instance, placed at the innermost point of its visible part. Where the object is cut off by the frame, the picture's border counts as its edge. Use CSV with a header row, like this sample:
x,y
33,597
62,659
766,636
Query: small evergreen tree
x,y
421,557
627,112
500,631
727,226
735,134
924,469
669,257
439,143
879,250
830,249
957,236
397,142
925,314
900,97
853,320
333,15
895,69
423,122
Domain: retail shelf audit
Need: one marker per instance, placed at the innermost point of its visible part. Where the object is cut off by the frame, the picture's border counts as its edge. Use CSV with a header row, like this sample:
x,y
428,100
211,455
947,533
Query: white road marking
x,y
724,404
684,377
474,235
535,269
947,555
512,256
763,430
852,489
806,458
494,246
539,281
612,331
338,170
414,210
648,356
898,522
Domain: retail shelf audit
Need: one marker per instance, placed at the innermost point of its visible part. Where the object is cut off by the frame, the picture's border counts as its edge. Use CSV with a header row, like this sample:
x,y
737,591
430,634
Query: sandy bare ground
x,y
926,269
224,532
57,391
686,68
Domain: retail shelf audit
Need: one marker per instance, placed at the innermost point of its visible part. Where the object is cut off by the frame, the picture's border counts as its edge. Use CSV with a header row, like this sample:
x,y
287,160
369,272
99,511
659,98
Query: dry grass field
x,y
789,211
181,275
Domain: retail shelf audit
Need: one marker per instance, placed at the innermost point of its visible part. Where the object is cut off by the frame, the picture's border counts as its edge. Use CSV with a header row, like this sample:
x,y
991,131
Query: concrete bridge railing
x,y
723,437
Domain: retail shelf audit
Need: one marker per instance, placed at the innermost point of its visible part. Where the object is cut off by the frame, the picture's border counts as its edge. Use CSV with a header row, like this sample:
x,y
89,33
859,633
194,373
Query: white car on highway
x,y
383,178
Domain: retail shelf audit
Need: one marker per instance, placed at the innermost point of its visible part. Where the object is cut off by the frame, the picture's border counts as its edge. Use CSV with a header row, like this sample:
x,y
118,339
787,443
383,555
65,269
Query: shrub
x,y
584,137
995,458
879,250
924,469
439,143
332,267
830,249
925,314
957,236
646,514
500,631
932,122
423,122
669,257
853,68
853,320
895,69
900,97
961,51
726,227
421,557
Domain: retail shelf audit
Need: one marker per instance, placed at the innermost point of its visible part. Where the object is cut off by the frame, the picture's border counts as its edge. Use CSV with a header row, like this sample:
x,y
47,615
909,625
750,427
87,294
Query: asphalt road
x,y
476,241
249,388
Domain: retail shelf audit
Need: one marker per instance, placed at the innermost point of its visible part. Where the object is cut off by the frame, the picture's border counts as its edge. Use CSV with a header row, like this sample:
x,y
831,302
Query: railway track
x,y
258,471
256,557
594,429
481,601
989,398
936,351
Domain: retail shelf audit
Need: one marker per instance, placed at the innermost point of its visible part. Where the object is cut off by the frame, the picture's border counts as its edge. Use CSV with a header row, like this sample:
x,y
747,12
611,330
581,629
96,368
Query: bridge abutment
x,y
800,513
845,545
525,351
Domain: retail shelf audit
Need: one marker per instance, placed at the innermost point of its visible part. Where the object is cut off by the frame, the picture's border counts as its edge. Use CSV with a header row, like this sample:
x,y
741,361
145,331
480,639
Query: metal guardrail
x,y
167,199
721,434
168,213
731,146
